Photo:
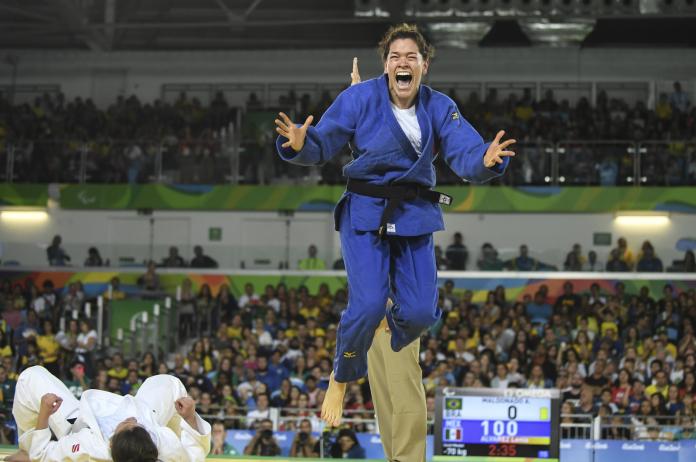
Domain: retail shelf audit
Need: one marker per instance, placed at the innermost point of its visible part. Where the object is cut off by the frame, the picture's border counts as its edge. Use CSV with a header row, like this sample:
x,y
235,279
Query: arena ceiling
x,y
109,25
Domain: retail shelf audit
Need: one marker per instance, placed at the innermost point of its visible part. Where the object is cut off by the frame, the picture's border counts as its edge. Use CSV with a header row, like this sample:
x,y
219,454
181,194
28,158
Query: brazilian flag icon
x,y
453,404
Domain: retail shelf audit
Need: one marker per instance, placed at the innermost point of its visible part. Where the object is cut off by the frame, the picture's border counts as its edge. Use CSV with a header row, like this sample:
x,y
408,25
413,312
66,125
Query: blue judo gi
x,y
402,264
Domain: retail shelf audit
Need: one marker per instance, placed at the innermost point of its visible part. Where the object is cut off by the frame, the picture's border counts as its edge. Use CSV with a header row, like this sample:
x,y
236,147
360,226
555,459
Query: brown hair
x,y
133,445
405,31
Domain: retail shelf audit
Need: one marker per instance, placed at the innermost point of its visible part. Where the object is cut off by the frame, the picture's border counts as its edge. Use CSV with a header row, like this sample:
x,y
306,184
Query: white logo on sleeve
x,y
391,227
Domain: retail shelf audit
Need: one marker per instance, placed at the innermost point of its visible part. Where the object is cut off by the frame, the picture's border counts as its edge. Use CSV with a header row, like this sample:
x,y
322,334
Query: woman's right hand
x,y
295,135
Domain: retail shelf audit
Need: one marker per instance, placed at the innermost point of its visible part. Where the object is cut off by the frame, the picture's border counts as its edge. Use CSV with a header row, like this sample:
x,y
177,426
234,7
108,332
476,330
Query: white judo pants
x,y
158,393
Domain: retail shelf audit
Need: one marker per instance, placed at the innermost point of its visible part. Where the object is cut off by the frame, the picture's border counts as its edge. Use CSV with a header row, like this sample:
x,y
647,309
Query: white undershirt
x,y
409,124
108,423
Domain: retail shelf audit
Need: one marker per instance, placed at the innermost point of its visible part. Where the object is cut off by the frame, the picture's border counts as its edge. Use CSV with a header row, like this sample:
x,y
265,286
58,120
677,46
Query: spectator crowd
x,y
619,259
455,257
264,360
123,141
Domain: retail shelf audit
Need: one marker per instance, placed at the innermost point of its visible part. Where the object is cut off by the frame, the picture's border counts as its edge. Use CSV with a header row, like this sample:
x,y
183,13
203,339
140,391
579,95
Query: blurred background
x,y
147,224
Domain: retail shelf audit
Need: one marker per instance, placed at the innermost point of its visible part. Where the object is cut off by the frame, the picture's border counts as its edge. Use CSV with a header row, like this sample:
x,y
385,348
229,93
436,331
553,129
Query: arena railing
x,y
281,94
647,428
151,328
596,162
666,163
227,158
573,426
578,427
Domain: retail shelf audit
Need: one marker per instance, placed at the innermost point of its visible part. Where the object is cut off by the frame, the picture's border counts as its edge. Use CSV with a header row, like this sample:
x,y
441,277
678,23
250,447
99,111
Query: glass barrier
x,y
665,163
137,254
279,255
596,163
47,161
246,154
121,161
196,162
5,161
532,165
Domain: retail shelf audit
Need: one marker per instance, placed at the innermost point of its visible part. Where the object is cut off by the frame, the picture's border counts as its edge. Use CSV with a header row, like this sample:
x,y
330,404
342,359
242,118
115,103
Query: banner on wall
x,y
571,450
96,283
372,444
26,195
479,199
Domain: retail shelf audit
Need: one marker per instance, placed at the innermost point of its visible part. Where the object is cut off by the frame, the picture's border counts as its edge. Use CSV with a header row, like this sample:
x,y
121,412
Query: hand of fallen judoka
x,y
50,403
294,134
496,151
186,408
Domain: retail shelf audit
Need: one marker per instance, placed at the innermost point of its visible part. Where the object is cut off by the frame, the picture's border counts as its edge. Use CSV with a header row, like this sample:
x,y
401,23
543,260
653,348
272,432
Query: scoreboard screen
x,y
497,425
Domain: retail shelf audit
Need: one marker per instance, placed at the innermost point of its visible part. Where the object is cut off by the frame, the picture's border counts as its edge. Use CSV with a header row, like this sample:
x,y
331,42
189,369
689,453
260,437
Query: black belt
x,y
395,195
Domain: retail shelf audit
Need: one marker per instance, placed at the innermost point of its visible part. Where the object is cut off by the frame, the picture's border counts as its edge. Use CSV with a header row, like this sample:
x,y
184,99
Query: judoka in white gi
x,y
158,424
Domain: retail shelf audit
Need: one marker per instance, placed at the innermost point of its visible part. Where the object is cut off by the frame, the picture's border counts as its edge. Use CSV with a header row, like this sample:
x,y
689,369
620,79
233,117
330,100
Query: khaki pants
x,y
397,392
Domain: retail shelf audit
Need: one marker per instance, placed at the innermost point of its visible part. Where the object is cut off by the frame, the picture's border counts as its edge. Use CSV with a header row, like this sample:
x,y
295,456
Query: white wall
x,y
551,236
248,236
245,236
104,75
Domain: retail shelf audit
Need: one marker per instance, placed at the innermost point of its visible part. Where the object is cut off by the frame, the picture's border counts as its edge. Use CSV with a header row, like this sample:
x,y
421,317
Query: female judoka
x,y
395,126
158,424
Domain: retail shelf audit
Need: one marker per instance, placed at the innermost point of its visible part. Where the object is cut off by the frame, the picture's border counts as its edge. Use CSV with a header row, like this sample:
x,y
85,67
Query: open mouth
x,y
403,80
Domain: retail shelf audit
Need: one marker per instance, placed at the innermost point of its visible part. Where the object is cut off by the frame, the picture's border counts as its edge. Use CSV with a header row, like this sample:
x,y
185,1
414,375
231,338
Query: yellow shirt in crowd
x,y
121,373
234,332
48,348
310,312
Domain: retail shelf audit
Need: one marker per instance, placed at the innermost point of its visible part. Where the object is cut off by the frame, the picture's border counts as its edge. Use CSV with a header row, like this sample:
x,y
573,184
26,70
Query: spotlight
x,y
370,8
637,219
459,34
557,33
24,216
432,8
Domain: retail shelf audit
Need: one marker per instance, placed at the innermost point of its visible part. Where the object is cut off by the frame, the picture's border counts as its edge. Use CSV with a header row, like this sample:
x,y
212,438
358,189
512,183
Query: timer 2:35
x,y
502,450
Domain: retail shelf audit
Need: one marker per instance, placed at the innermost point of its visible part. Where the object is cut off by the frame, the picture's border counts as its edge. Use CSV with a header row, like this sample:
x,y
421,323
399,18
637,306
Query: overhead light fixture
x,y
557,33
458,34
370,9
642,219
24,216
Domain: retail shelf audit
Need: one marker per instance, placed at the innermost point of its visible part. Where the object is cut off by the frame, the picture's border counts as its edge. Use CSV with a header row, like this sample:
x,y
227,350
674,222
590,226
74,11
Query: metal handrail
x,y
228,145
584,427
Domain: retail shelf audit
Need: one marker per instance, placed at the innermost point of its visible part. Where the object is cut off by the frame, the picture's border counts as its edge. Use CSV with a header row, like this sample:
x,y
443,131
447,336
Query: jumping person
x,y
387,215
400,407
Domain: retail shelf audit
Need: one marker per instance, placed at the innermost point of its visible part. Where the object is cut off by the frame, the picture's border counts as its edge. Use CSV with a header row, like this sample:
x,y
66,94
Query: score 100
x,y
500,427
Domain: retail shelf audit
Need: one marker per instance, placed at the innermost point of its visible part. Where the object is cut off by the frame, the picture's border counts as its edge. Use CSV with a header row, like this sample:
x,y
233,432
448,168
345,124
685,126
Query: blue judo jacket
x,y
382,154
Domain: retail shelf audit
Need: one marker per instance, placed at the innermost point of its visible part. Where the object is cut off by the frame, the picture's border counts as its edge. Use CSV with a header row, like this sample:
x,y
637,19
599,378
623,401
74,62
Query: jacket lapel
x,y
424,123
393,124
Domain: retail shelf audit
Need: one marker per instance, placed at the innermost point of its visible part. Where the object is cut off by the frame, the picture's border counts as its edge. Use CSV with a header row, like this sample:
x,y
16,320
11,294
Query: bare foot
x,y
19,456
332,407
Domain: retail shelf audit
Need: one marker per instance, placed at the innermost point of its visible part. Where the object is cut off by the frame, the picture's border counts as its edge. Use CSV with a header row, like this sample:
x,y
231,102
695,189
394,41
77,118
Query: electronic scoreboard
x,y
501,425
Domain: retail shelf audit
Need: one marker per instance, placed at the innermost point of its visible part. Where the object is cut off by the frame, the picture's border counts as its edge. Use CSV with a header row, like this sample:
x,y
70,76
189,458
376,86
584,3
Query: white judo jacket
x,y
176,440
